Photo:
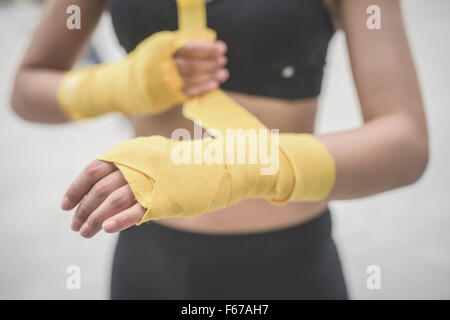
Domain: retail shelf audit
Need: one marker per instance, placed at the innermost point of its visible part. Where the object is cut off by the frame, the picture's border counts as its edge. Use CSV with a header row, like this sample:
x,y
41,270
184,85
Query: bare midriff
x,y
251,215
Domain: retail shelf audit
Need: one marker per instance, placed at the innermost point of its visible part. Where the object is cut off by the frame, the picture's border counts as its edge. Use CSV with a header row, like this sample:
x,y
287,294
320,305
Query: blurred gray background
x,y
405,232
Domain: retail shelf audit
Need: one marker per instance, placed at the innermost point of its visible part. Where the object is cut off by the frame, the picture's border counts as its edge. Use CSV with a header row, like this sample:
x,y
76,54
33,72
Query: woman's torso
x,y
283,97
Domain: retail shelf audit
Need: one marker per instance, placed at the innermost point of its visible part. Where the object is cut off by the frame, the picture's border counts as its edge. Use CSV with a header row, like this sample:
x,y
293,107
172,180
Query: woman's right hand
x,y
202,66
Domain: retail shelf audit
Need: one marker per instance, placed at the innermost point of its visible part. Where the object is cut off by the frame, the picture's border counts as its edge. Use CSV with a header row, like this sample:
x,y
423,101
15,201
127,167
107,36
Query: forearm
x,y
35,98
385,153
52,50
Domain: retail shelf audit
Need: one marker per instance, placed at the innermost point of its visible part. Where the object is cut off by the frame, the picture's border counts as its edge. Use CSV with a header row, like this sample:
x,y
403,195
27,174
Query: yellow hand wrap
x,y
145,82
167,189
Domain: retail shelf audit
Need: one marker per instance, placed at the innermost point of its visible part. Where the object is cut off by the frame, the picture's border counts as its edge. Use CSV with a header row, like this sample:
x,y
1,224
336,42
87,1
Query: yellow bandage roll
x,y
145,82
167,187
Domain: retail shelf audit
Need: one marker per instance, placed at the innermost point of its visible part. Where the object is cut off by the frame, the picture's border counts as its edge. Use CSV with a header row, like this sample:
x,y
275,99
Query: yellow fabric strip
x,y
191,15
216,110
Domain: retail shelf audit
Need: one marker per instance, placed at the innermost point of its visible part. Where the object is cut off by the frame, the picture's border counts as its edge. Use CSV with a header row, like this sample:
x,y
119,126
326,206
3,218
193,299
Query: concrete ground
x,y
404,232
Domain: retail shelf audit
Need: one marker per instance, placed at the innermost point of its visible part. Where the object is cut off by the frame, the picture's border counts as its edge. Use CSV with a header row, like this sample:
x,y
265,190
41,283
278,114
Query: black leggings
x,y
157,262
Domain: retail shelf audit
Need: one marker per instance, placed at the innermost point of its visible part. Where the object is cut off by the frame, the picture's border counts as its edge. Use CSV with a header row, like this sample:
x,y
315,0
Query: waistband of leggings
x,y
291,239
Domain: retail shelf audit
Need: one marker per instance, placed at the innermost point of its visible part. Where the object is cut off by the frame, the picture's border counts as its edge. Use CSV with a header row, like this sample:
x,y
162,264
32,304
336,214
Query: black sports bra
x,y
276,48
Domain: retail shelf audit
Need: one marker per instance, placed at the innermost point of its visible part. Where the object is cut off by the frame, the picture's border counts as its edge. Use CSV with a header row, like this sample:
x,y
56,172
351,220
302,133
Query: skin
x,y
388,151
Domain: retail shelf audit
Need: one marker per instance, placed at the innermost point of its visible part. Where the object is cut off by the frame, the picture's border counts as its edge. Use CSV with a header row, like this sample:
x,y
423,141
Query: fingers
x,y
202,50
201,84
189,67
124,219
220,75
202,66
118,201
98,193
95,171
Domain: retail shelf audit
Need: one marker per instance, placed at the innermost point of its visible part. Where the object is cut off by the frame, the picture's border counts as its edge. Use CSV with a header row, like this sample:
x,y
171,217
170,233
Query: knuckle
x,y
94,168
116,200
94,222
101,190
119,177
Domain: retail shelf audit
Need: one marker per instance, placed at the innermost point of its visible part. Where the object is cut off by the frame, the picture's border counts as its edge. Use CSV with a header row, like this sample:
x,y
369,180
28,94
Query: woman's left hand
x,y
105,201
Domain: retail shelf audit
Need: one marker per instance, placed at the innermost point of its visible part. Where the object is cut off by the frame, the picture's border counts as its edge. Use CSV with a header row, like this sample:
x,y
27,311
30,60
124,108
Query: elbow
x,y
33,98
418,158
17,107
17,101
420,164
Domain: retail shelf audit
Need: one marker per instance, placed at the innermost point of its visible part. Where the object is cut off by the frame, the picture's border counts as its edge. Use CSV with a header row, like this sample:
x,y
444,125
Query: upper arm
x,y
53,45
382,64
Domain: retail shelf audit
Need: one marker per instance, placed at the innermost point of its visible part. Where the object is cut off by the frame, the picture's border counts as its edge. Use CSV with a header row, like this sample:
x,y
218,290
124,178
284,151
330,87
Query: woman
x,y
275,57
